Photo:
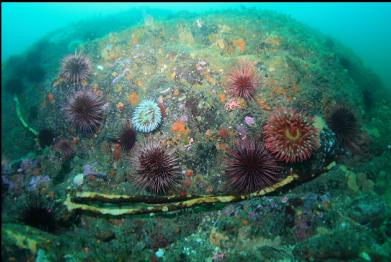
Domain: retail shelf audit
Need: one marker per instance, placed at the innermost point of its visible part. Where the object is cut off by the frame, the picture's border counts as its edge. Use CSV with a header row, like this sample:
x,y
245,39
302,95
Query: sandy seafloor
x,y
339,209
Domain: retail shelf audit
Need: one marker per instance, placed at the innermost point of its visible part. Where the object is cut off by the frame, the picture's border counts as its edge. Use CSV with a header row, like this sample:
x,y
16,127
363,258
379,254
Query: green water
x,y
196,132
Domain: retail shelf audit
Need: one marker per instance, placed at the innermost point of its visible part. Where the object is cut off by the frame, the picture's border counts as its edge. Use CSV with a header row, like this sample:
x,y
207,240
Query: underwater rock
x,y
180,67
105,236
342,244
333,181
268,253
369,209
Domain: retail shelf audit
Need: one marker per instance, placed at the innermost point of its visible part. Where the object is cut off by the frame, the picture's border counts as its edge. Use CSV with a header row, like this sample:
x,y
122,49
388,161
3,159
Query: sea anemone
x,y
46,137
250,167
39,212
147,116
127,138
243,80
85,111
344,123
75,69
156,166
290,135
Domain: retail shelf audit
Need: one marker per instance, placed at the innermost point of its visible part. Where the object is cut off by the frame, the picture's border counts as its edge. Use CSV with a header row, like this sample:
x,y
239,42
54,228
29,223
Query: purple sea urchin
x,y
243,80
343,122
65,147
250,167
37,212
156,166
75,68
127,138
85,111
147,116
45,137
290,135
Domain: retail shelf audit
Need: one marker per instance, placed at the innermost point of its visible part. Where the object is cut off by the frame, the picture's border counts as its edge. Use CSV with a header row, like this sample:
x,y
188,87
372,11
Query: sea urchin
x,y
127,138
250,167
243,80
290,135
46,137
147,116
156,168
64,147
345,125
85,111
38,212
75,68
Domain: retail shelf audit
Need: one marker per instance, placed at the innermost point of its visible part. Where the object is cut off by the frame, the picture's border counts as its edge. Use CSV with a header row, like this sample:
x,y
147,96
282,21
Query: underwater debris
x,y
147,116
290,135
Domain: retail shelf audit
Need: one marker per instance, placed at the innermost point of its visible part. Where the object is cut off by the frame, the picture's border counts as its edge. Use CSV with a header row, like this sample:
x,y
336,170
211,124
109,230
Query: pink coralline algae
x,y
232,104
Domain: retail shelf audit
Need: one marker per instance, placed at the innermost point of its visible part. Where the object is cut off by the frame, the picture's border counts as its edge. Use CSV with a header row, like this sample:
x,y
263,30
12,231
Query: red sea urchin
x,y
156,168
243,80
85,111
75,68
250,167
290,136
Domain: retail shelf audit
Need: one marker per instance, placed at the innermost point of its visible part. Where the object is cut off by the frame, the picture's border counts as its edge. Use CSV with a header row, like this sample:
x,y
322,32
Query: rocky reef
x,y
219,106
